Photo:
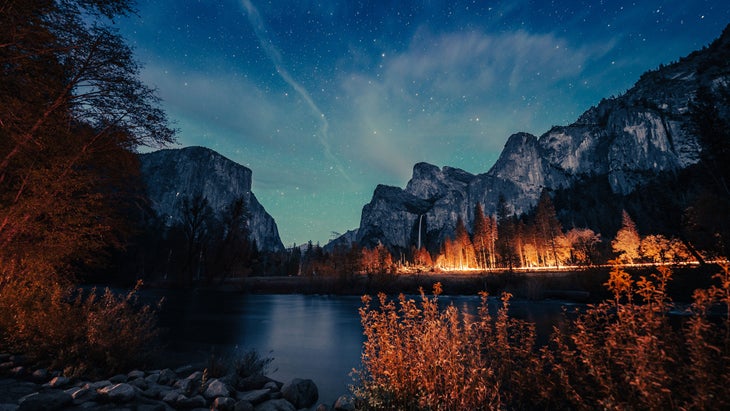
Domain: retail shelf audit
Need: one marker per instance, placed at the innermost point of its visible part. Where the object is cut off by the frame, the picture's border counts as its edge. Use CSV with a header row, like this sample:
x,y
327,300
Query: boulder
x,y
243,406
58,382
275,405
167,377
322,407
216,388
133,375
224,404
273,386
302,393
152,378
344,403
40,375
119,378
50,400
98,384
119,393
140,383
255,396
171,397
253,382
77,392
193,402
18,371
185,386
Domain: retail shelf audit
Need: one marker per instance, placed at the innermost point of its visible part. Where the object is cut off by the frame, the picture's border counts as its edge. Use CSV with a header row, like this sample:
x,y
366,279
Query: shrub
x,y
92,333
417,356
624,353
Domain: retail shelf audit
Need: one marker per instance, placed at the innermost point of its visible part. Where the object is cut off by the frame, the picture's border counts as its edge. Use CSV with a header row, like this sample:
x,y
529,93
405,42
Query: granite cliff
x,y
173,174
621,144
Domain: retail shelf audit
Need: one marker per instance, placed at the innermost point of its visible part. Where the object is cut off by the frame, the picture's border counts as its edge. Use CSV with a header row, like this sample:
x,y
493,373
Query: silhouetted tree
x,y
73,109
507,232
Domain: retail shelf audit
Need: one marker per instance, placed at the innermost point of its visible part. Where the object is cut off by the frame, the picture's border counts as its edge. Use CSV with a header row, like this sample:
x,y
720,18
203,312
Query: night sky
x,y
324,100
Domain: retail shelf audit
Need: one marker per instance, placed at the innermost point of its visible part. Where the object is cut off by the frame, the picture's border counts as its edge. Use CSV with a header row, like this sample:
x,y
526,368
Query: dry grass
x,y
82,333
623,353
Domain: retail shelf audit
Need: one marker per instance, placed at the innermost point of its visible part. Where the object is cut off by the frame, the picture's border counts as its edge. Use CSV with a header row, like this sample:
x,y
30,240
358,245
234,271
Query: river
x,y
308,336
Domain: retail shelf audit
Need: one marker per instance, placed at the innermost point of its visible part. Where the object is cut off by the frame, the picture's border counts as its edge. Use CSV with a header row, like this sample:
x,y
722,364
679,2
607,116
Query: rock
x,y
58,382
171,397
276,395
77,392
253,382
18,371
133,375
255,396
151,407
302,393
273,386
98,384
12,390
215,389
153,392
10,407
193,402
322,407
4,366
119,393
4,357
224,404
152,378
140,383
196,376
275,405
118,378
167,377
40,375
344,403
243,406
185,386
46,401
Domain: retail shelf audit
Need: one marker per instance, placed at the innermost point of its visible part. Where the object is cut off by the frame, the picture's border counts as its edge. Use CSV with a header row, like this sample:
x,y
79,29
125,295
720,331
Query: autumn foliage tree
x,y
72,113
627,242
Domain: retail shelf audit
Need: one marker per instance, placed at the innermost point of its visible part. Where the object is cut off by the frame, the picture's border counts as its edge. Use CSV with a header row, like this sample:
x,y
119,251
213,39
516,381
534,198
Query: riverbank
x,y
25,388
585,285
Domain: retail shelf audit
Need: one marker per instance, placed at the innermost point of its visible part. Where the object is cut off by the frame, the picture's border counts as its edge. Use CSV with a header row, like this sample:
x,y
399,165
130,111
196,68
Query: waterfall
x,y
419,231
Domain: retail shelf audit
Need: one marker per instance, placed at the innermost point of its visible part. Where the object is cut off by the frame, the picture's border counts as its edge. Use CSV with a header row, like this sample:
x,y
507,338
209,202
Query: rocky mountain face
x,y
624,141
174,174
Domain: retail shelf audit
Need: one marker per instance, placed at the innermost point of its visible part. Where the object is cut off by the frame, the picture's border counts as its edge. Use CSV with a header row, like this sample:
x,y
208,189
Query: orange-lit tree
x,y
73,112
627,242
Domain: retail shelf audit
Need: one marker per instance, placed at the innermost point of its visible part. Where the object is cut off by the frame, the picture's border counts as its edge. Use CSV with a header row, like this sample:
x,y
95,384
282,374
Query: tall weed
x,y
624,353
89,333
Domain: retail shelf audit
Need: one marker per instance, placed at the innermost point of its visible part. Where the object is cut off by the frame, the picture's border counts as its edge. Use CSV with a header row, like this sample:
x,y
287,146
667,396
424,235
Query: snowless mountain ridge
x,y
625,140
173,174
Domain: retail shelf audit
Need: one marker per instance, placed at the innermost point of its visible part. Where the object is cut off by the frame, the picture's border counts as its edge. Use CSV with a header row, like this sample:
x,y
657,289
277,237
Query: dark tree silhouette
x,y
73,110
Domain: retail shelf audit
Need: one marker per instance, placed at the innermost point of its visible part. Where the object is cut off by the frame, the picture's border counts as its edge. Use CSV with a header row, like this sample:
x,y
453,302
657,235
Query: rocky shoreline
x,y
24,388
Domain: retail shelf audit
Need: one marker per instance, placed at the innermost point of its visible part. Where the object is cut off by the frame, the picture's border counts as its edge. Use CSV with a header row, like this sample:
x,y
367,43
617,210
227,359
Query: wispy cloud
x,y
273,53
461,92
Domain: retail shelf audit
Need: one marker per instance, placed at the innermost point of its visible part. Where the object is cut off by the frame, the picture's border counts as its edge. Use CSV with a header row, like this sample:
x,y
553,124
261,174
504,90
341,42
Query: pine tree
x,y
547,226
480,237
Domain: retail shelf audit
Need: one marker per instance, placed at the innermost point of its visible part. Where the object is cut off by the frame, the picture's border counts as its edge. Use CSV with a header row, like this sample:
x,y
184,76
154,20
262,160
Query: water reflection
x,y
309,336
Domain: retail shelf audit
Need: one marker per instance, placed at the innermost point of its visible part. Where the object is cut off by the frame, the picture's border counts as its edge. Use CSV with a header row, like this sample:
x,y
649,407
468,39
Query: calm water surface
x,y
309,336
